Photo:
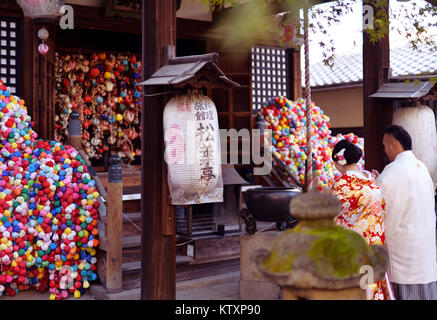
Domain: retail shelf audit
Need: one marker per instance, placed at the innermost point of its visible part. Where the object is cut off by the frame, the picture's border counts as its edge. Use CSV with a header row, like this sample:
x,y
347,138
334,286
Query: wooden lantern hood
x,y
231,176
403,90
198,71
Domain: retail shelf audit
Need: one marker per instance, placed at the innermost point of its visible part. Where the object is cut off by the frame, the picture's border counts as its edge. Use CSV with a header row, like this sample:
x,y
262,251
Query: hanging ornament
x,y
285,29
109,101
43,34
43,49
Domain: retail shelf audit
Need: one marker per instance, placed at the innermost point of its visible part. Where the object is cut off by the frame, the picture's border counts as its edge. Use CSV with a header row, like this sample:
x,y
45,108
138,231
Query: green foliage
x,y
214,4
246,26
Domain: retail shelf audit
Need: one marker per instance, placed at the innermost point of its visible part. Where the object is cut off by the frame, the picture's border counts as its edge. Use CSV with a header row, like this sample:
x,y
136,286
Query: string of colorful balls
x,y
48,210
104,89
287,121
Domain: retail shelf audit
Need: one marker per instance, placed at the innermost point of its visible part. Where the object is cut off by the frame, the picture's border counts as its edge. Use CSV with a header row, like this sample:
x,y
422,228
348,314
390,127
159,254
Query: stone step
x,y
131,203
131,223
188,271
127,217
133,241
131,272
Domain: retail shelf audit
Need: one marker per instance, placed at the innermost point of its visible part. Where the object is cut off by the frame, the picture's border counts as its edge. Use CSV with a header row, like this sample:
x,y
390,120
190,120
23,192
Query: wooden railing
x,y
286,171
111,206
99,186
283,172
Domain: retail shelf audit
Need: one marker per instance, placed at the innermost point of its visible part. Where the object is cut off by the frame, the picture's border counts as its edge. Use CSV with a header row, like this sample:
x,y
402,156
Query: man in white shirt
x,y
410,221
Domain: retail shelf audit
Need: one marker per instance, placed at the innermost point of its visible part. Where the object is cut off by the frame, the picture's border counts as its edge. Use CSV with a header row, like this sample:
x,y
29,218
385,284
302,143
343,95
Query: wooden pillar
x,y
29,73
294,74
158,239
46,67
377,112
114,226
38,82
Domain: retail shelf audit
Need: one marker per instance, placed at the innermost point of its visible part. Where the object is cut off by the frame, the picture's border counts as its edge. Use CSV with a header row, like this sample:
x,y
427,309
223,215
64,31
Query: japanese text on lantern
x,y
205,133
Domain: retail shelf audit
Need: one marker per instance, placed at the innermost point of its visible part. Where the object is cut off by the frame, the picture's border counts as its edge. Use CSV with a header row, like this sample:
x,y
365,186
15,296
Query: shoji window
x,y
10,53
269,74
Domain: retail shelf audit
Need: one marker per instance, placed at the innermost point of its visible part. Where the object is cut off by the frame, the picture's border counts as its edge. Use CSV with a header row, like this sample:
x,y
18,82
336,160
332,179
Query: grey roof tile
x,y
349,68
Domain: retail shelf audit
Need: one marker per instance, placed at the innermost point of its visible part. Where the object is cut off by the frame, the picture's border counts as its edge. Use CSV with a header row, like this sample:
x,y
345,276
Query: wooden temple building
x,y
193,242
160,242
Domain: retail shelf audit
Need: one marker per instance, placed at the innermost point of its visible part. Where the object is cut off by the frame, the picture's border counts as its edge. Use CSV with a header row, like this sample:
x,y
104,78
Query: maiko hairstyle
x,y
351,153
401,135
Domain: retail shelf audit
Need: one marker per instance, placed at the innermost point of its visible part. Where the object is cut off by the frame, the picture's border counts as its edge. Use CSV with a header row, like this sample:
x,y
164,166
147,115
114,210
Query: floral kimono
x,y
363,210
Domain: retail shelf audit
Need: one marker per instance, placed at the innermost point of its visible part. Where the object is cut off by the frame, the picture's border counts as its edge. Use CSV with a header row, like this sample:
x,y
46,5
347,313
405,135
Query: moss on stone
x,y
276,263
333,250
338,252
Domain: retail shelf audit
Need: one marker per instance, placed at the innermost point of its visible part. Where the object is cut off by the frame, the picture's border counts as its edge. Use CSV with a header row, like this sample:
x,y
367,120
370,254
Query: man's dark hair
x,y
400,134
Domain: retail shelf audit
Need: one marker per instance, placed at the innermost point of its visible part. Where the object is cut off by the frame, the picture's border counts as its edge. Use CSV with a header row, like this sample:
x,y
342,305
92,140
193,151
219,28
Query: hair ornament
x,y
339,157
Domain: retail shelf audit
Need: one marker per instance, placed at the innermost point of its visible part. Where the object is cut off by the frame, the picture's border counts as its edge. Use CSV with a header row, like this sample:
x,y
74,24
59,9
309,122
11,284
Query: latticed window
x,y
9,53
269,74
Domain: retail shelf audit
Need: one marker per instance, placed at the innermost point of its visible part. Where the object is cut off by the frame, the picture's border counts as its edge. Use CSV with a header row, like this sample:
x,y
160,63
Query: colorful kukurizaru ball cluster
x,y
48,210
104,89
287,121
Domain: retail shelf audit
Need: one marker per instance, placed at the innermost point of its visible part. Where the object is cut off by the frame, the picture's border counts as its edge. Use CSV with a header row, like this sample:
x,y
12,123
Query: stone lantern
x,y
318,260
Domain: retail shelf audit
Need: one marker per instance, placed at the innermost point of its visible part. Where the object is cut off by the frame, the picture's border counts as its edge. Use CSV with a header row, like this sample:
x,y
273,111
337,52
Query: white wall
x,y
344,106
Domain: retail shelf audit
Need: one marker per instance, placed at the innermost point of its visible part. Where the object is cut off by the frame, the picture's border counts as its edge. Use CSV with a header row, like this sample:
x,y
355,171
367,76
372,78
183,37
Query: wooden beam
x,y
193,29
94,18
377,112
158,239
10,8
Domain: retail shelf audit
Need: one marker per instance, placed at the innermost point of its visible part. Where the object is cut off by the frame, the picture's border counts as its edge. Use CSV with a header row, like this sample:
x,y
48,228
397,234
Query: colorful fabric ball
x,y
109,86
48,209
287,120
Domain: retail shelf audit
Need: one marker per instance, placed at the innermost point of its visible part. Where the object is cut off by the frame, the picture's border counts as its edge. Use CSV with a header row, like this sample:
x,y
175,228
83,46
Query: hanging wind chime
x,y
43,35
42,11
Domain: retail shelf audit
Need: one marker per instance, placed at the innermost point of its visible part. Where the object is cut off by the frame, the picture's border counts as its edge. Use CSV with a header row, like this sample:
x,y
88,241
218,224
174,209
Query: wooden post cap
x,y
260,122
74,124
115,170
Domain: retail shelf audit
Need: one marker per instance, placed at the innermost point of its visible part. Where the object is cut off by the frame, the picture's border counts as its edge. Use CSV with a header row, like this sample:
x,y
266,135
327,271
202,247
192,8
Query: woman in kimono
x,y
363,207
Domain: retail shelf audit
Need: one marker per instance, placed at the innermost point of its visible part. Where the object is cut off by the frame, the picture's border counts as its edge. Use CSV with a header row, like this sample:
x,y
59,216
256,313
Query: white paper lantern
x,y
192,153
420,124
